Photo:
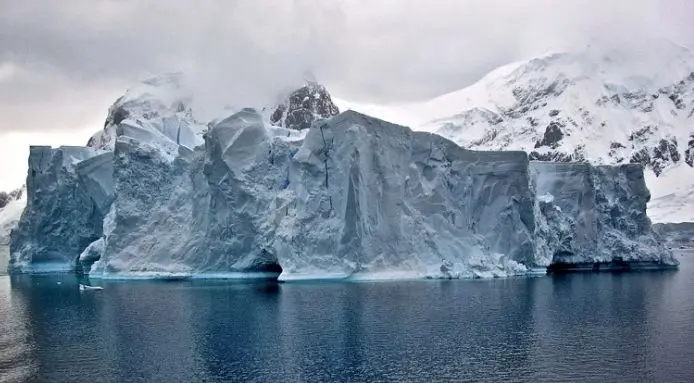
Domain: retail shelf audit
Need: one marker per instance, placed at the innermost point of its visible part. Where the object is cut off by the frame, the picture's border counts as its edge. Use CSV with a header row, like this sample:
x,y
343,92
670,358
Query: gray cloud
x,y
62,63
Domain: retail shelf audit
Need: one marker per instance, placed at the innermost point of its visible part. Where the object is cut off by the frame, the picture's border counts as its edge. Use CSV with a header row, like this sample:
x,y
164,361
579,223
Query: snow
x,y
10,214
158,109
672,195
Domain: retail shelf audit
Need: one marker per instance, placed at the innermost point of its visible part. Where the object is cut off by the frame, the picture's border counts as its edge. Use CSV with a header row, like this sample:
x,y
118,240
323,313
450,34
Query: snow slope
x,y
605,107
11,207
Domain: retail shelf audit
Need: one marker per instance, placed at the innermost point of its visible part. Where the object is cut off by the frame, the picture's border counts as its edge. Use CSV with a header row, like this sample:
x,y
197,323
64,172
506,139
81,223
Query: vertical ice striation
x,y
203,212
376,198
68,194
597,214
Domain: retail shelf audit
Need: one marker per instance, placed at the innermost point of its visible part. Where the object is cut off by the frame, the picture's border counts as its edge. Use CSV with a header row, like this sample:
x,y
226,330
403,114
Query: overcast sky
x,y
62,63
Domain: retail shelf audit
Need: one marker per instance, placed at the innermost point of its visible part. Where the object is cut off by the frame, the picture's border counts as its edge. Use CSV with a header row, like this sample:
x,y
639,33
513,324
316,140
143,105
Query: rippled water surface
x,y
580,327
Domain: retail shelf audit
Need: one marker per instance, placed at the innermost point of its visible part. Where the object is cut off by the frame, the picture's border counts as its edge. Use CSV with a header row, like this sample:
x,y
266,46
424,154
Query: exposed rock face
x,y
689,152
303,107
552,136
69,191
355,197
6,198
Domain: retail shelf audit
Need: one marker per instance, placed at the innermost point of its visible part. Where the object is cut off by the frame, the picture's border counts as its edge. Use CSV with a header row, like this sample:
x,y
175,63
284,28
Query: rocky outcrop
x,y
303,107
11,207
689,152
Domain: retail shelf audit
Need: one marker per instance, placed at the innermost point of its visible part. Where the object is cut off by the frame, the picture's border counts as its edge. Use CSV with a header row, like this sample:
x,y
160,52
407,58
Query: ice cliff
x,y
69,191
157,194
596,215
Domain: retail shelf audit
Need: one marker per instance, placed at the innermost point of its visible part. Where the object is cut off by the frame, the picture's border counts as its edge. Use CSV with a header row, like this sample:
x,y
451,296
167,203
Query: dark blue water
x,y
580,327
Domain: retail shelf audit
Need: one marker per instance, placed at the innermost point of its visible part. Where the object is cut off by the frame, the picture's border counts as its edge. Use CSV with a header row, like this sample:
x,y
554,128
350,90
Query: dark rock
x,y
642,157
667,150
615,152
4,199
304,106
689,152
116,115
679,104
550,157
553,113
553,135
642,134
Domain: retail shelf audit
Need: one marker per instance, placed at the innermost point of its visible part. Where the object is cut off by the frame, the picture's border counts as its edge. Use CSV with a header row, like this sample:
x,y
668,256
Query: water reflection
x,y
17,359
577,327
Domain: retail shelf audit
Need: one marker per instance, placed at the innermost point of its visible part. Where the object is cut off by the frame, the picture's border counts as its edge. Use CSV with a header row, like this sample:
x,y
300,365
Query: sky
x,y
63,63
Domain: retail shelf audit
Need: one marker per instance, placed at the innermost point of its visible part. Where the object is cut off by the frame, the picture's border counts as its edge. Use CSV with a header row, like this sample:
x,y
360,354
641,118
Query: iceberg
x,y
349,197
597,217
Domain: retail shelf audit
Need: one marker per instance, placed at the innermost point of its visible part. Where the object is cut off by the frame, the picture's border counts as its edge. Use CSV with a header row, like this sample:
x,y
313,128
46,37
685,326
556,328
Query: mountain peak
x,y
303,106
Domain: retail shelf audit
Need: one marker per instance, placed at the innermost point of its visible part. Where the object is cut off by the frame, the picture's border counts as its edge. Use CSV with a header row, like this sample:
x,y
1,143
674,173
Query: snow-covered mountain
x,y
303,106
604,107
11,207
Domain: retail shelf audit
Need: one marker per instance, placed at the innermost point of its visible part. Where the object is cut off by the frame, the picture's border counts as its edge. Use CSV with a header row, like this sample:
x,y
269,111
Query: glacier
x,y
350,197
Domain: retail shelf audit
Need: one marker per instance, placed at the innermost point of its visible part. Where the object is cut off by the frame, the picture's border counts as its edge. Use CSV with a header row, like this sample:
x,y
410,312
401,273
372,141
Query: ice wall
x,y
366,196
356,197
203,212
597,214
68,194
